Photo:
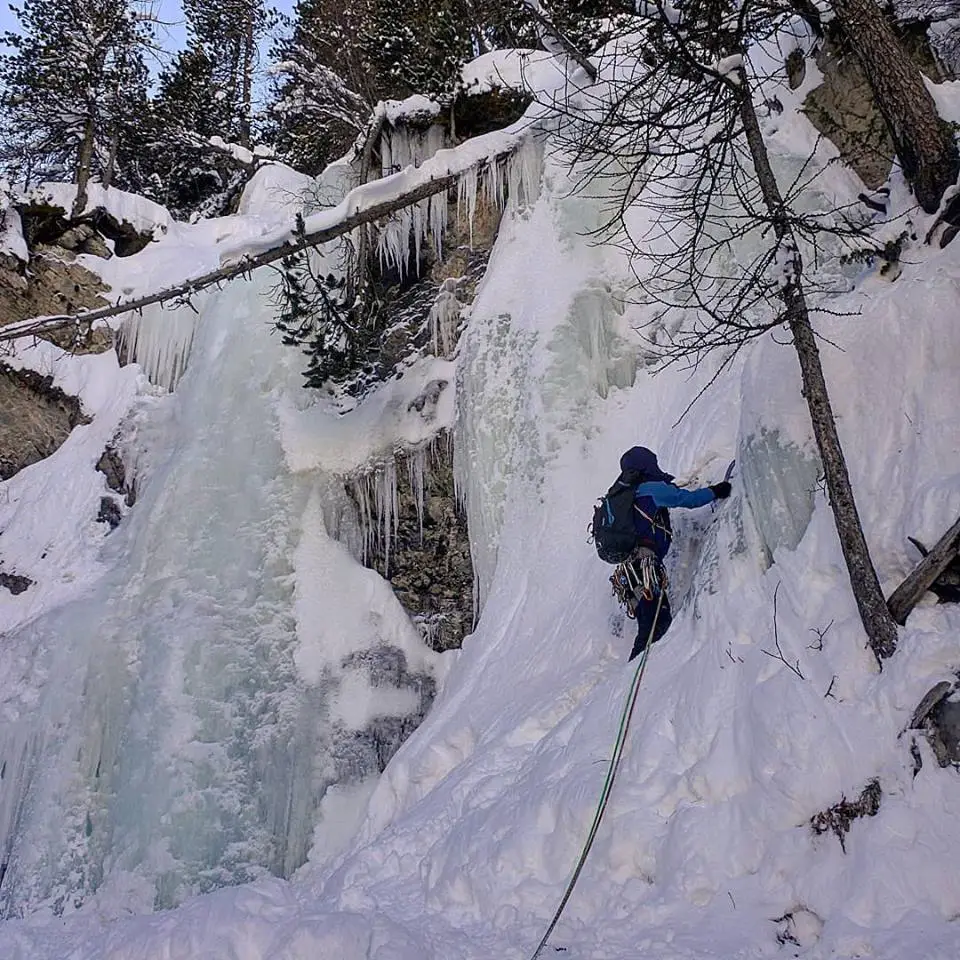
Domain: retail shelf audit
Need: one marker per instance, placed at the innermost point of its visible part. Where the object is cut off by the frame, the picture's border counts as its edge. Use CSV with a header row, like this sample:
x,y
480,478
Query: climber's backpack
x,y
613,529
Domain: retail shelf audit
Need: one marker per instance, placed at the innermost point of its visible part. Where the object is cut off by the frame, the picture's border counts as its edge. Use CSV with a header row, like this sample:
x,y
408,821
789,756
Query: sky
x,y
169,12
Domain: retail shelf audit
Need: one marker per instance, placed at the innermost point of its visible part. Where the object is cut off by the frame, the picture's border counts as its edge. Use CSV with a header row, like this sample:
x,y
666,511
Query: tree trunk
x,y
246,82
922,140
84,163
877,622
111,167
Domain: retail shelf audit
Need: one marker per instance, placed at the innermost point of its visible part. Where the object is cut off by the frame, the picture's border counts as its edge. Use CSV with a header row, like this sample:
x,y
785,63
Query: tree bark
x,y
922,140
908,594
246,81
84,163
877,622
34,327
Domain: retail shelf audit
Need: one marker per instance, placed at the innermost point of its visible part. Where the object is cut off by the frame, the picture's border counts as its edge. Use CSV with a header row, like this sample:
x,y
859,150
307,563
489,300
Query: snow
x,y
407,410
416,107
39,509
240,153
528,71
760,708
12,241
144,215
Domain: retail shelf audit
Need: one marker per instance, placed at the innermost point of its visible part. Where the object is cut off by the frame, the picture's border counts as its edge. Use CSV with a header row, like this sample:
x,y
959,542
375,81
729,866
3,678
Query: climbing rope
x,y
612,768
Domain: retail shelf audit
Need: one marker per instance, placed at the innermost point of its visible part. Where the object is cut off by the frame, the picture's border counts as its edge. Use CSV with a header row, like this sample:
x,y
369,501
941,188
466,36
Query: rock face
x,y
112,508
843,109
35,418
427,561
384,666
50,286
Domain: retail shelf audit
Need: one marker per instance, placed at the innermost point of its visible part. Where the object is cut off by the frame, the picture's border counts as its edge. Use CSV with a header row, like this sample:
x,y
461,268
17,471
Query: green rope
x,y
612,768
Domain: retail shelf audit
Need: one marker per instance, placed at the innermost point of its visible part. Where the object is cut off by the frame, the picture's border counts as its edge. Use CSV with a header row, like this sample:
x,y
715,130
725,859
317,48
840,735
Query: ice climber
x,y
641,578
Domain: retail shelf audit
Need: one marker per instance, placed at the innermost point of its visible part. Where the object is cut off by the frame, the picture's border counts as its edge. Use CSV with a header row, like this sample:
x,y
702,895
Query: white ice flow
x,y
175,729
707,849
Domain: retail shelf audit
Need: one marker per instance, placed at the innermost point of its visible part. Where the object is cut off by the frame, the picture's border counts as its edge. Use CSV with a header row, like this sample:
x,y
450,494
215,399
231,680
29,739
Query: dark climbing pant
x,y
645,612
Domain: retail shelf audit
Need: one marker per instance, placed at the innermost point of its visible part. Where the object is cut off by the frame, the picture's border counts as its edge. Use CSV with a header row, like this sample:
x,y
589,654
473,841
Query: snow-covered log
x,y
363,205
908,594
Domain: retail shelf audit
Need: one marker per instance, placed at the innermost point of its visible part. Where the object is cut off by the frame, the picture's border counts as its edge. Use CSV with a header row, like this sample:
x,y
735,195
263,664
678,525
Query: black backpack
x,y
613,530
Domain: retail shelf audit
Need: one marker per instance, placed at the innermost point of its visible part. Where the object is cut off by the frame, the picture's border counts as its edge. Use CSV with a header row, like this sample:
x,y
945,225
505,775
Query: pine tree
x,y
325,87
74,86
229,31
180,168
316,316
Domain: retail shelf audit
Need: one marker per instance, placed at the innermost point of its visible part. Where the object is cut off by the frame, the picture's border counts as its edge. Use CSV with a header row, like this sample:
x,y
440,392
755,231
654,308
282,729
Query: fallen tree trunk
x,y
293,243
908,594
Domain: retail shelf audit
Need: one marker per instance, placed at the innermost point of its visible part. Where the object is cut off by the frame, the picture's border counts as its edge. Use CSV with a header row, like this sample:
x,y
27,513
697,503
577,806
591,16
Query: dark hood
x,y
643,461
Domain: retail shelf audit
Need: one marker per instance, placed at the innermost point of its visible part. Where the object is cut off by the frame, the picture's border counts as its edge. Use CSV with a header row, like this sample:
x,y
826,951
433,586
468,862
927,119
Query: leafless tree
x,y
722,251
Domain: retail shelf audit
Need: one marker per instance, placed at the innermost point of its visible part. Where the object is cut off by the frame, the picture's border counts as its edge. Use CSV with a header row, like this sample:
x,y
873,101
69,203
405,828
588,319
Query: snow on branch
x,y
485,155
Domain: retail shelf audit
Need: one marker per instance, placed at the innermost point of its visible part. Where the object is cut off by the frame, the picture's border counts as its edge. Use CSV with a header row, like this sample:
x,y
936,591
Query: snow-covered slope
x,y
706,850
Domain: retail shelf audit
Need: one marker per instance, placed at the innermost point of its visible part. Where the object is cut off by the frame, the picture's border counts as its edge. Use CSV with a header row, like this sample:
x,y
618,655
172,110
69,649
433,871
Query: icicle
x,y
467,197
416,464
524,171
160,340
438,222
362,490
388,511
445,317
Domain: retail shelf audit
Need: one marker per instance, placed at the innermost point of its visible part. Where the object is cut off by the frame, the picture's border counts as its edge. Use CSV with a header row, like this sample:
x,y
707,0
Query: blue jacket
x,y
652,496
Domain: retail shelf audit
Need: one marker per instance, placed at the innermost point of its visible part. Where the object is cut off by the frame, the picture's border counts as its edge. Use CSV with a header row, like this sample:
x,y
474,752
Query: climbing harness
x,y
612,768
643,576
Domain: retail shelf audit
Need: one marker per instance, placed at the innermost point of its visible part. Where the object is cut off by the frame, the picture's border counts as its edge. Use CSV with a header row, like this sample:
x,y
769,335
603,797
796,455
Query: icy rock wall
x,y
544,342
777,463
415,535
780,480
159,740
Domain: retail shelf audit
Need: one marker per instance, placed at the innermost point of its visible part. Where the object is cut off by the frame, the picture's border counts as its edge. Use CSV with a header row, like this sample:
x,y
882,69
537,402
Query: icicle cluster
x,y
517,180
403,146
160,340
377,495
414,226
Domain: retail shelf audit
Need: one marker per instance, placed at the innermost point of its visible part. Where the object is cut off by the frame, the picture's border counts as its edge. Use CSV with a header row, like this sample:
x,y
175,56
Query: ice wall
x,y
777,460
176,730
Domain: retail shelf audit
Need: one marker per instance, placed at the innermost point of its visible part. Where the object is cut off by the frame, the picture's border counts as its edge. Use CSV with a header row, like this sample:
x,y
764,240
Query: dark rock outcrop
x,y
35,418
938,715
428,561
15,583
374,745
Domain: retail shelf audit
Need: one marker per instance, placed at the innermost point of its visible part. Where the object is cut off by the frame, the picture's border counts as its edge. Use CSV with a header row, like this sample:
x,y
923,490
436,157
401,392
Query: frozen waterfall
x,y
160,737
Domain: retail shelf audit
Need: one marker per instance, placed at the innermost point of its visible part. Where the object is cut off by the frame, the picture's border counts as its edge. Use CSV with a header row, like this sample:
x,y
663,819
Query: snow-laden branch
x,y
362,205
